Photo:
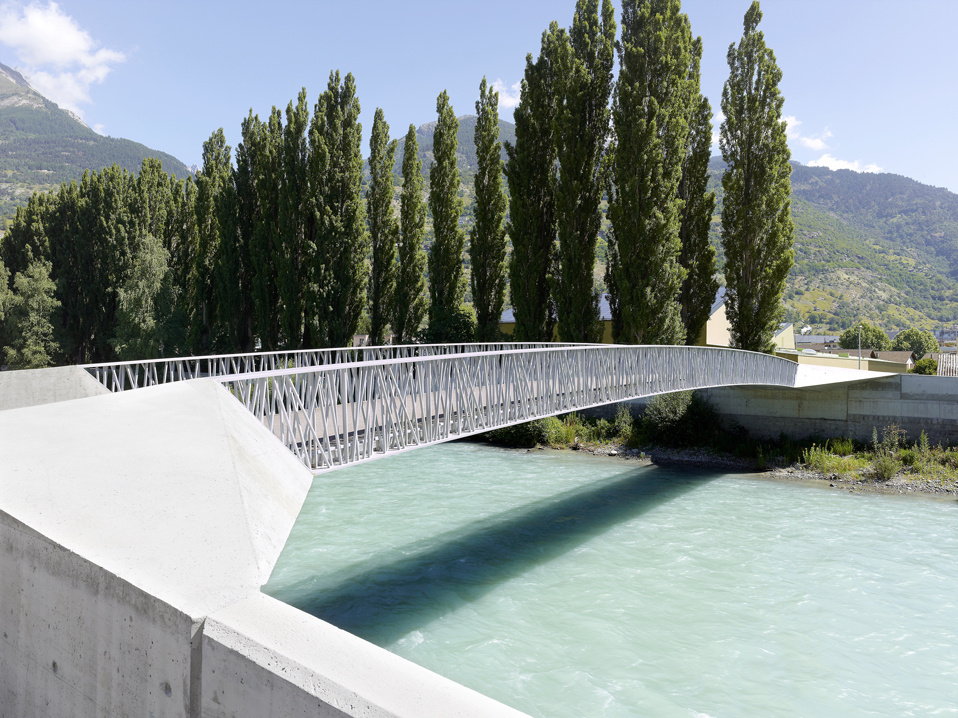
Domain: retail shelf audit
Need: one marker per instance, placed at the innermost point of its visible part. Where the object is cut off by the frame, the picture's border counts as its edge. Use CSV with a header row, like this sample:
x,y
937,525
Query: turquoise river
x,y
572,585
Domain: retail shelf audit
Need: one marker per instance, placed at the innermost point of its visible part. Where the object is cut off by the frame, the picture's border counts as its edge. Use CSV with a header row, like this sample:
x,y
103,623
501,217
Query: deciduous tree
x,y
383,228
487,246
409,300
531,174
447,285
698,254
584,63
650,115
756,217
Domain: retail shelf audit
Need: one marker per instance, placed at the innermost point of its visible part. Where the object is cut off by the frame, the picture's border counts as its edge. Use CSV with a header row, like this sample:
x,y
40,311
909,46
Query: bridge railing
x,y
122,376
334,415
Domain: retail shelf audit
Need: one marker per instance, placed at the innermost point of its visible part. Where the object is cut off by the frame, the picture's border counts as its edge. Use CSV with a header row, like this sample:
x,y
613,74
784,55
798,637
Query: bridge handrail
x,y
139,373
334,415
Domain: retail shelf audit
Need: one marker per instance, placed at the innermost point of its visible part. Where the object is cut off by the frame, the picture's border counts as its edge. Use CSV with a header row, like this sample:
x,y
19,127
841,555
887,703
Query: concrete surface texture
x,y
128,522
846,408
32,387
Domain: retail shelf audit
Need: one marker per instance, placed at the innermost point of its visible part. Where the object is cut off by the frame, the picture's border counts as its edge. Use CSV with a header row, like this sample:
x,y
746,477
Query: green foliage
x,y
447,285
698,255
409,307
457,326
531,175
210,184
650,115
530,433
926,366
487,247
383,228
679,419
841,446
871,338
757,225
29,318
624,424
584,60
295,236
146,325
915,341
342,243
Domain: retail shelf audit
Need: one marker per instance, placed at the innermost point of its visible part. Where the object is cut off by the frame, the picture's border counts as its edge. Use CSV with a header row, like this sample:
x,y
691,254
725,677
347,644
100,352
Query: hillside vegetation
x,y
44,145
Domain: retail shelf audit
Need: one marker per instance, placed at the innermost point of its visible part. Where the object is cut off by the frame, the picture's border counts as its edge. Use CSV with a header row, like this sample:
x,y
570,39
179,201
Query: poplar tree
x,y
585,62
383,228
447,286
340,266
214,176
409,300
756,217
531,174
264,142
649,117
293,256
487,247
698,254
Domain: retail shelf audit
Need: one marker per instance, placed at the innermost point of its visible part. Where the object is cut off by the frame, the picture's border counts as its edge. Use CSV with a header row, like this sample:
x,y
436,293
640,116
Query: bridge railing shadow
x,y
385,597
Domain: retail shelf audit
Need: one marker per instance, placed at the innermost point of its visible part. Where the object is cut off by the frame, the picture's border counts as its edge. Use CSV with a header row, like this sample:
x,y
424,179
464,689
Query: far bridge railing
x,y
125,375
340,413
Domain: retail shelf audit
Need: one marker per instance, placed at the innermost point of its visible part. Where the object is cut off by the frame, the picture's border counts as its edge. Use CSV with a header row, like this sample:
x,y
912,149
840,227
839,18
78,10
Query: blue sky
x,y
868,84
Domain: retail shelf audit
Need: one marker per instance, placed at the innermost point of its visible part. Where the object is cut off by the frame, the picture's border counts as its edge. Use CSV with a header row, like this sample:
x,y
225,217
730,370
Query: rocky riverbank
x,y
903,482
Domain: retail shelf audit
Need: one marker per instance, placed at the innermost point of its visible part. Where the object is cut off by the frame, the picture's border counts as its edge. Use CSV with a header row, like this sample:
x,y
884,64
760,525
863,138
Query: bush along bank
x,y
683,428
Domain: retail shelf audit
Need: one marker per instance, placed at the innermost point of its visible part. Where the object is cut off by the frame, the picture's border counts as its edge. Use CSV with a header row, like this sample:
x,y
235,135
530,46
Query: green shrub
x,y
680,419
623,423
842,447
909,457
926,366
885,466
528,434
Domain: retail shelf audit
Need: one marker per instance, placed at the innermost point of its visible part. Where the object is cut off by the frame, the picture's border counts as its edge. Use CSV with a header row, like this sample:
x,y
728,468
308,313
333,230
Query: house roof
x,y
902,357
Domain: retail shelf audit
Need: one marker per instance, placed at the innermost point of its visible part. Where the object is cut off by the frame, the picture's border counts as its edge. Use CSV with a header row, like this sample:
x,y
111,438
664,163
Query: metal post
x,y
859,346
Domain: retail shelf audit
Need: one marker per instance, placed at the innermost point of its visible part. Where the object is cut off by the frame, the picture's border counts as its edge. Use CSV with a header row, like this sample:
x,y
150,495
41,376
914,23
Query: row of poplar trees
x,y
290,246
287,248
643,143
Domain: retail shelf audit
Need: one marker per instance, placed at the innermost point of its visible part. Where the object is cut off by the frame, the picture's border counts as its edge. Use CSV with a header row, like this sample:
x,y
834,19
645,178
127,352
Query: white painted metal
x,y
341,413
947,365
120,376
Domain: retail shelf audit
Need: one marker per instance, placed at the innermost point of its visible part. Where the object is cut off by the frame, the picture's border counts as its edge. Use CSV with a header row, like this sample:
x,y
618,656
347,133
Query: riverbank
x,y
901,483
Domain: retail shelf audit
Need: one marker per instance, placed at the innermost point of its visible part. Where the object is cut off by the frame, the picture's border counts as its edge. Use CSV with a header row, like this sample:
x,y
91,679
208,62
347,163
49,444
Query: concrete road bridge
x,y
337,407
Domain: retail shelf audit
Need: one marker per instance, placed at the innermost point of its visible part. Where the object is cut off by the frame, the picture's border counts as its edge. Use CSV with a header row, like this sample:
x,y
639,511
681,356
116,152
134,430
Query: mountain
x,y
466,153
876,246
44,145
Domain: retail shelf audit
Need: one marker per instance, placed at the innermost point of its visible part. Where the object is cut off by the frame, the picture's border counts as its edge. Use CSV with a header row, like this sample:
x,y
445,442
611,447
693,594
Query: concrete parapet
x,y
135,532
916,403
33,387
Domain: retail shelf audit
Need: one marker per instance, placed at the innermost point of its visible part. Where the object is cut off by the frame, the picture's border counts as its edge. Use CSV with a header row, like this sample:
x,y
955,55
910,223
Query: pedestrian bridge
x,y
337,407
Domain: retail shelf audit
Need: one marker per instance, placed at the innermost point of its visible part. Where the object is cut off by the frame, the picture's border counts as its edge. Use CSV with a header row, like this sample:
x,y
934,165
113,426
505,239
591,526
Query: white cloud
x,y
814,142
60,59
508,96
99,128
832,163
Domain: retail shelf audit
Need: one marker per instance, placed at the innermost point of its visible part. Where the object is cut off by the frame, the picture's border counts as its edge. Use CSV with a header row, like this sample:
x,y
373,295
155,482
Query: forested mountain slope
x,y
43,145
872,245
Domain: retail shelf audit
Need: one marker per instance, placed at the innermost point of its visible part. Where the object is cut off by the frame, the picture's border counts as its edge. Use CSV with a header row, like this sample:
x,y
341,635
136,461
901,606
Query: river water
x,y
572,585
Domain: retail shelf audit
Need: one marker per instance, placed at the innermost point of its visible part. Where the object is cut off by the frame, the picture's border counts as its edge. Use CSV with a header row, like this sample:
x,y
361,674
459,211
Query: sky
x,y
868,84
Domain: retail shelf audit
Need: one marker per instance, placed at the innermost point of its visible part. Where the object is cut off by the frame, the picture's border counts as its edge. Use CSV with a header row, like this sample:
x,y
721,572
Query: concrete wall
x,y
914,402
135,532
32,387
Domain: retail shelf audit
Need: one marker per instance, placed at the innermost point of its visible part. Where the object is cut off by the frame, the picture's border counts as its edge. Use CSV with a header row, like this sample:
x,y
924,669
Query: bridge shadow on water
x,y
384,598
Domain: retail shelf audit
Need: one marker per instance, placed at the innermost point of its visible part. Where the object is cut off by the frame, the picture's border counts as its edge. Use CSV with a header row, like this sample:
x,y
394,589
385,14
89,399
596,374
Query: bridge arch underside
x,y
335,416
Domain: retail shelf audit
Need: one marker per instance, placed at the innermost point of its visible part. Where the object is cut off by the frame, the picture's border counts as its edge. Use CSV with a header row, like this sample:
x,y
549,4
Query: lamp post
x,y
859,346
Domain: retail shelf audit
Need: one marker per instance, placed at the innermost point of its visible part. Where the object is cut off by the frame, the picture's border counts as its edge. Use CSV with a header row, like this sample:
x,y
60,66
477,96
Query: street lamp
x,y
859,346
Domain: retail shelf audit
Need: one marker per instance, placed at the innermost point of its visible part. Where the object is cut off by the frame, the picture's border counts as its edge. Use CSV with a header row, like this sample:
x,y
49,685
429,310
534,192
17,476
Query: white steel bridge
x,y
337,407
